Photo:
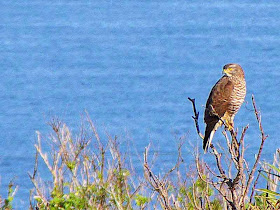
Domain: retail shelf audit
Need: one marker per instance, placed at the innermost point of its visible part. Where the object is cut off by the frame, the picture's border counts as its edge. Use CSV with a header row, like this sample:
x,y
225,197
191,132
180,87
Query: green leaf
x,y
141,200
274,167
269,192
71,165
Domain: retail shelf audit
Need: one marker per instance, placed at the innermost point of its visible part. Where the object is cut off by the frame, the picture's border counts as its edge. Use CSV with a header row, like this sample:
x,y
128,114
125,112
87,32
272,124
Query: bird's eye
x,y
230,69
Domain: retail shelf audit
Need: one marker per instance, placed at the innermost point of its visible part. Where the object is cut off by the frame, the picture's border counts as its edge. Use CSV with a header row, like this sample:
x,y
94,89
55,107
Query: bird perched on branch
x,y
225,99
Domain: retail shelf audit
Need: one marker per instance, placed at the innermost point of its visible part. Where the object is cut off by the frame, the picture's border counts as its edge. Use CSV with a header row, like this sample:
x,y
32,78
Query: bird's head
x,y
233,69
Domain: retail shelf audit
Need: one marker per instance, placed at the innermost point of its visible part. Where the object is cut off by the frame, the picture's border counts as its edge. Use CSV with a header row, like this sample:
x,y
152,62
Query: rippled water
x,y
131,65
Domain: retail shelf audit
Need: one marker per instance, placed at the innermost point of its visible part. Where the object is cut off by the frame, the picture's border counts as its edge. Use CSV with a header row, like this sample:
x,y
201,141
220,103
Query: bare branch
x,y
263,138
179,161
254,186
157,184
195,118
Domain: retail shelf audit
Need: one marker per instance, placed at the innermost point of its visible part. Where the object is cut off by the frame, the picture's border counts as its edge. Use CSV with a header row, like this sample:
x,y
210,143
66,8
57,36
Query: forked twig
x,y
195,118
263,138
254,186
157,184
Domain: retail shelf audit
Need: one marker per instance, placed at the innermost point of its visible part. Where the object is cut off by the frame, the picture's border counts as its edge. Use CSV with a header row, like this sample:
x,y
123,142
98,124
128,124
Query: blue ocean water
x,y
131,65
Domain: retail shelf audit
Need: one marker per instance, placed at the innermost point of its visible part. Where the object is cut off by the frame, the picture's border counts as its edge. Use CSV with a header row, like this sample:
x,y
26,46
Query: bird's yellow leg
x,y
229,124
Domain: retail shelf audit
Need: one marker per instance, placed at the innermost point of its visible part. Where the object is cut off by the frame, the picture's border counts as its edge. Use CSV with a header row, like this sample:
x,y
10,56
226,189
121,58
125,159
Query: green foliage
x,y
7,204
198,194
90,195
141,200
69,201
216,204
269,198
71,165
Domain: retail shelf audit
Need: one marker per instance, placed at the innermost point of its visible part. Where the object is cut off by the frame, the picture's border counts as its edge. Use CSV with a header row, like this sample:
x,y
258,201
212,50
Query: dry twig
x,y
161,185
238,186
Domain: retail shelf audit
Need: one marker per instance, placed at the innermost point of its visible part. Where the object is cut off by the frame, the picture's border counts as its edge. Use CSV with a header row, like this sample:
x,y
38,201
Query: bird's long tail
x,y
208,136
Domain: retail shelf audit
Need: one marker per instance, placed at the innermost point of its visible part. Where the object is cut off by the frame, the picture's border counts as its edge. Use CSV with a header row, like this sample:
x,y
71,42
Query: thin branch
x,y
254,186
195,118
218,161
231,149
211,182
241,162
179,161
267,172
161,184
264,137
157,184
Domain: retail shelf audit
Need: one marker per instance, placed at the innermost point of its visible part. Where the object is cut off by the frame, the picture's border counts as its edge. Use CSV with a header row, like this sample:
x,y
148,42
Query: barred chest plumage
x,y
238,94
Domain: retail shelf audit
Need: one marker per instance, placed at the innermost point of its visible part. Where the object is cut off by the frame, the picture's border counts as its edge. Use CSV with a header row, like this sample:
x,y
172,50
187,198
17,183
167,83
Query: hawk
x,y
224,101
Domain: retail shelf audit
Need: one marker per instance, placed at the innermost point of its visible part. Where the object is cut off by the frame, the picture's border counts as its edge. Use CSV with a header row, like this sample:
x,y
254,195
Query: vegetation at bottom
x,y
87,171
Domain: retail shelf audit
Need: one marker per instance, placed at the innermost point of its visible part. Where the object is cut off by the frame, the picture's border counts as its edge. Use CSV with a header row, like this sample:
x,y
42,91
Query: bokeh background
x,y
131,65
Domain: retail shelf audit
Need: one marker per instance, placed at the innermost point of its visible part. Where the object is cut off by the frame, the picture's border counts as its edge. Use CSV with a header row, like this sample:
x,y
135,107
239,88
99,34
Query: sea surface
x,y
131,65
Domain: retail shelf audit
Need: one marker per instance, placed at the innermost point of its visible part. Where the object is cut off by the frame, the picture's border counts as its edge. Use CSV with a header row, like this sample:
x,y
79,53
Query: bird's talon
x,y
229,125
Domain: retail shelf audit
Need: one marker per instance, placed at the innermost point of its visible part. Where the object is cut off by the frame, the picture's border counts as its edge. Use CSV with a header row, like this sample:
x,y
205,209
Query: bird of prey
x,y
224,101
